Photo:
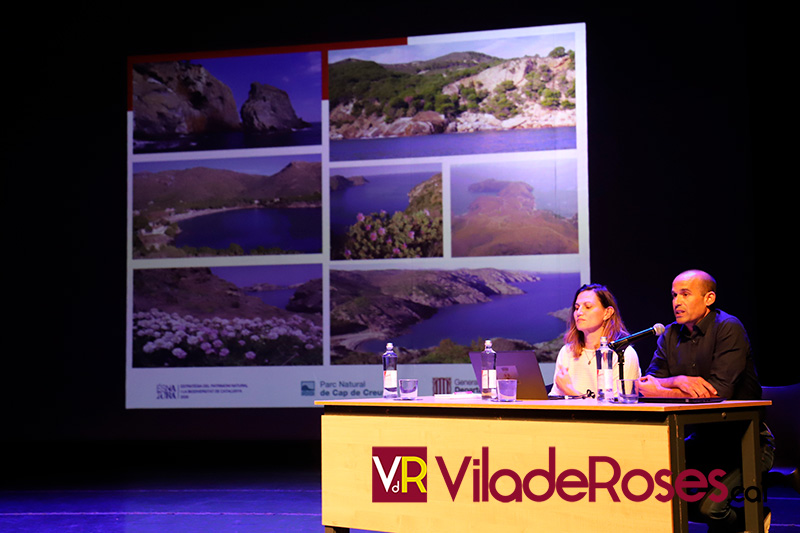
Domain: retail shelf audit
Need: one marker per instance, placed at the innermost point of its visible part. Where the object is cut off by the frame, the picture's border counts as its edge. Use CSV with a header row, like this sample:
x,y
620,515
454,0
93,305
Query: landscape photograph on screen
x,y
227,316
228,207
514,208
220,103
387,212
462,97
291,212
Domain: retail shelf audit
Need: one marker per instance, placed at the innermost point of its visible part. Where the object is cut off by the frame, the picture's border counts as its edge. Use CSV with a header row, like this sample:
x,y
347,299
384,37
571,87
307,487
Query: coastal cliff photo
x,y
438,316
390,212
227,103
422,95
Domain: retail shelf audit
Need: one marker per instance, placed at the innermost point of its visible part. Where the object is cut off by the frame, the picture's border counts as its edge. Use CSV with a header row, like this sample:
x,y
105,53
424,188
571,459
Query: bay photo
x,y
438,316
227,207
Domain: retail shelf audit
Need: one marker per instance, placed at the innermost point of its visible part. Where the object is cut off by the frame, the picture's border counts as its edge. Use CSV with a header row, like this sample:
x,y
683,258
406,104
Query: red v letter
x,y
452,488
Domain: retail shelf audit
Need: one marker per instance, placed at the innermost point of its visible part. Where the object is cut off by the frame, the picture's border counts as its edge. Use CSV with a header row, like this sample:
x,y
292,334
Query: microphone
x,y
657,329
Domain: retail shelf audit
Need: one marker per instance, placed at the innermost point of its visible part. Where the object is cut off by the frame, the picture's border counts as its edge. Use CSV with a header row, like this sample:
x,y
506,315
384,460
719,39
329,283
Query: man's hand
x,y
650,386
694,386
677,386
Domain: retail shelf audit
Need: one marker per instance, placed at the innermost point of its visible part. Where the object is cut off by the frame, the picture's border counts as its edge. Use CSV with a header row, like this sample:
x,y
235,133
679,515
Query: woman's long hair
x,y
613,328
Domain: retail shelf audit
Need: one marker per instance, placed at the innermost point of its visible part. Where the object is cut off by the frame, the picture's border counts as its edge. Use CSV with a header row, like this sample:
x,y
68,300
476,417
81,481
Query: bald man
x,y
704,353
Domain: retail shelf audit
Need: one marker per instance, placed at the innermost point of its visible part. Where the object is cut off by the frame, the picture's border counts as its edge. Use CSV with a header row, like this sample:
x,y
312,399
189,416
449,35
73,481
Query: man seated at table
x,y
706,352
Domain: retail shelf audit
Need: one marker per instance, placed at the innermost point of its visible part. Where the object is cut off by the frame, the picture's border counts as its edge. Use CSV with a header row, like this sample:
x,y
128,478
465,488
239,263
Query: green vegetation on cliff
x,y
378,89
396,91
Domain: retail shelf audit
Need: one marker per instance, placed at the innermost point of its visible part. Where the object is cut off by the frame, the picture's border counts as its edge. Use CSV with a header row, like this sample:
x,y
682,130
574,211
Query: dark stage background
x,y
689,159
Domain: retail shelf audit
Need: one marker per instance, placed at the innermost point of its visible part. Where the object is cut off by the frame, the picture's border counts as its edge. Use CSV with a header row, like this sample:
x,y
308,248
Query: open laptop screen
x,y
522,366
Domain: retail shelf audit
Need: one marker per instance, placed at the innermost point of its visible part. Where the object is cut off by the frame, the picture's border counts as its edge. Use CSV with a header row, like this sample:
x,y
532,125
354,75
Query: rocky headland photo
x,y
177,101
506,221
339,182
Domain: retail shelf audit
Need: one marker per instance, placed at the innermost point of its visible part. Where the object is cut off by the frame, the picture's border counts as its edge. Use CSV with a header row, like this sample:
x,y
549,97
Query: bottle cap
x,y
389,346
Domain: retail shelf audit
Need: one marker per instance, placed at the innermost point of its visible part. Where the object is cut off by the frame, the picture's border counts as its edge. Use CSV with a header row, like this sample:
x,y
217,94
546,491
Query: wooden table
x,y
492,441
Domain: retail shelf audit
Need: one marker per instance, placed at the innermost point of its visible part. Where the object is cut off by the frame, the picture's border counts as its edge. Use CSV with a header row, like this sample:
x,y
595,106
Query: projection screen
x,y
292,210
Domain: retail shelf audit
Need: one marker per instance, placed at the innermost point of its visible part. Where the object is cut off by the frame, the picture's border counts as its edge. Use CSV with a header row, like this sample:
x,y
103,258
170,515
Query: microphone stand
x,y
621,360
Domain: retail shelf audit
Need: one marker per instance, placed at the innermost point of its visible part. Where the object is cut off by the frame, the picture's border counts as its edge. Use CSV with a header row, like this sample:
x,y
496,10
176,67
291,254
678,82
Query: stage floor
x,y
212,500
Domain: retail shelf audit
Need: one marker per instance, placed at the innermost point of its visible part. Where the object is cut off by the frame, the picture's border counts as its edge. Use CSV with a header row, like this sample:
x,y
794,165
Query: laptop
x,y
522,366
659,399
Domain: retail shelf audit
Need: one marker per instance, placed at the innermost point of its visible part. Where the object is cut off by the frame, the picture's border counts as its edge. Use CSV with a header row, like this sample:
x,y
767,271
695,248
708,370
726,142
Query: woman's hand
x,y
564,382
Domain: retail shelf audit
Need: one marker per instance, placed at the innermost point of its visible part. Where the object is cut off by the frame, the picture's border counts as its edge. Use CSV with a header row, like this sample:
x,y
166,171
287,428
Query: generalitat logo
x,y
399,474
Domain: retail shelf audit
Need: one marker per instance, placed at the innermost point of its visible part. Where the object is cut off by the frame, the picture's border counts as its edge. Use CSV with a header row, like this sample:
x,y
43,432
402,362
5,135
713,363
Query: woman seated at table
x,y
595,314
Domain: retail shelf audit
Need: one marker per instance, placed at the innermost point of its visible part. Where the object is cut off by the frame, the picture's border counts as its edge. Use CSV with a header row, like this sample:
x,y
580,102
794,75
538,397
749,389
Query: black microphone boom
x,y
657,329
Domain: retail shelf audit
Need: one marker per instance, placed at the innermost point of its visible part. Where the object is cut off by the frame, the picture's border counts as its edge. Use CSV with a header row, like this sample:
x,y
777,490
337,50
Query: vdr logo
x,y
399,474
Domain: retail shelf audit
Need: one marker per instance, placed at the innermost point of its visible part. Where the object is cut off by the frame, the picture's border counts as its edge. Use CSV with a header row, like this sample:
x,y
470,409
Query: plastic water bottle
x,y
488,372
605,371
389,372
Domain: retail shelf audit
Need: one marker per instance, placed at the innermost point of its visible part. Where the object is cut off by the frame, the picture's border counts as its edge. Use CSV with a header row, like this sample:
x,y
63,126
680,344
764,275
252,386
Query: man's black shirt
x,y
717,349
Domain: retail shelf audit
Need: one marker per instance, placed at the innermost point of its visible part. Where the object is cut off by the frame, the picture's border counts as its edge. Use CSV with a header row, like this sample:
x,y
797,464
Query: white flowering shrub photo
x,y
192,317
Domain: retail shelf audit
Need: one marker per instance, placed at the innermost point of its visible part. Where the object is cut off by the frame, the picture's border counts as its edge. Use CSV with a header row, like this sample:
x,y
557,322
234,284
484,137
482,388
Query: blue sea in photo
x,y
298,230
485,142
388,192
278,298
522,317
310,136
